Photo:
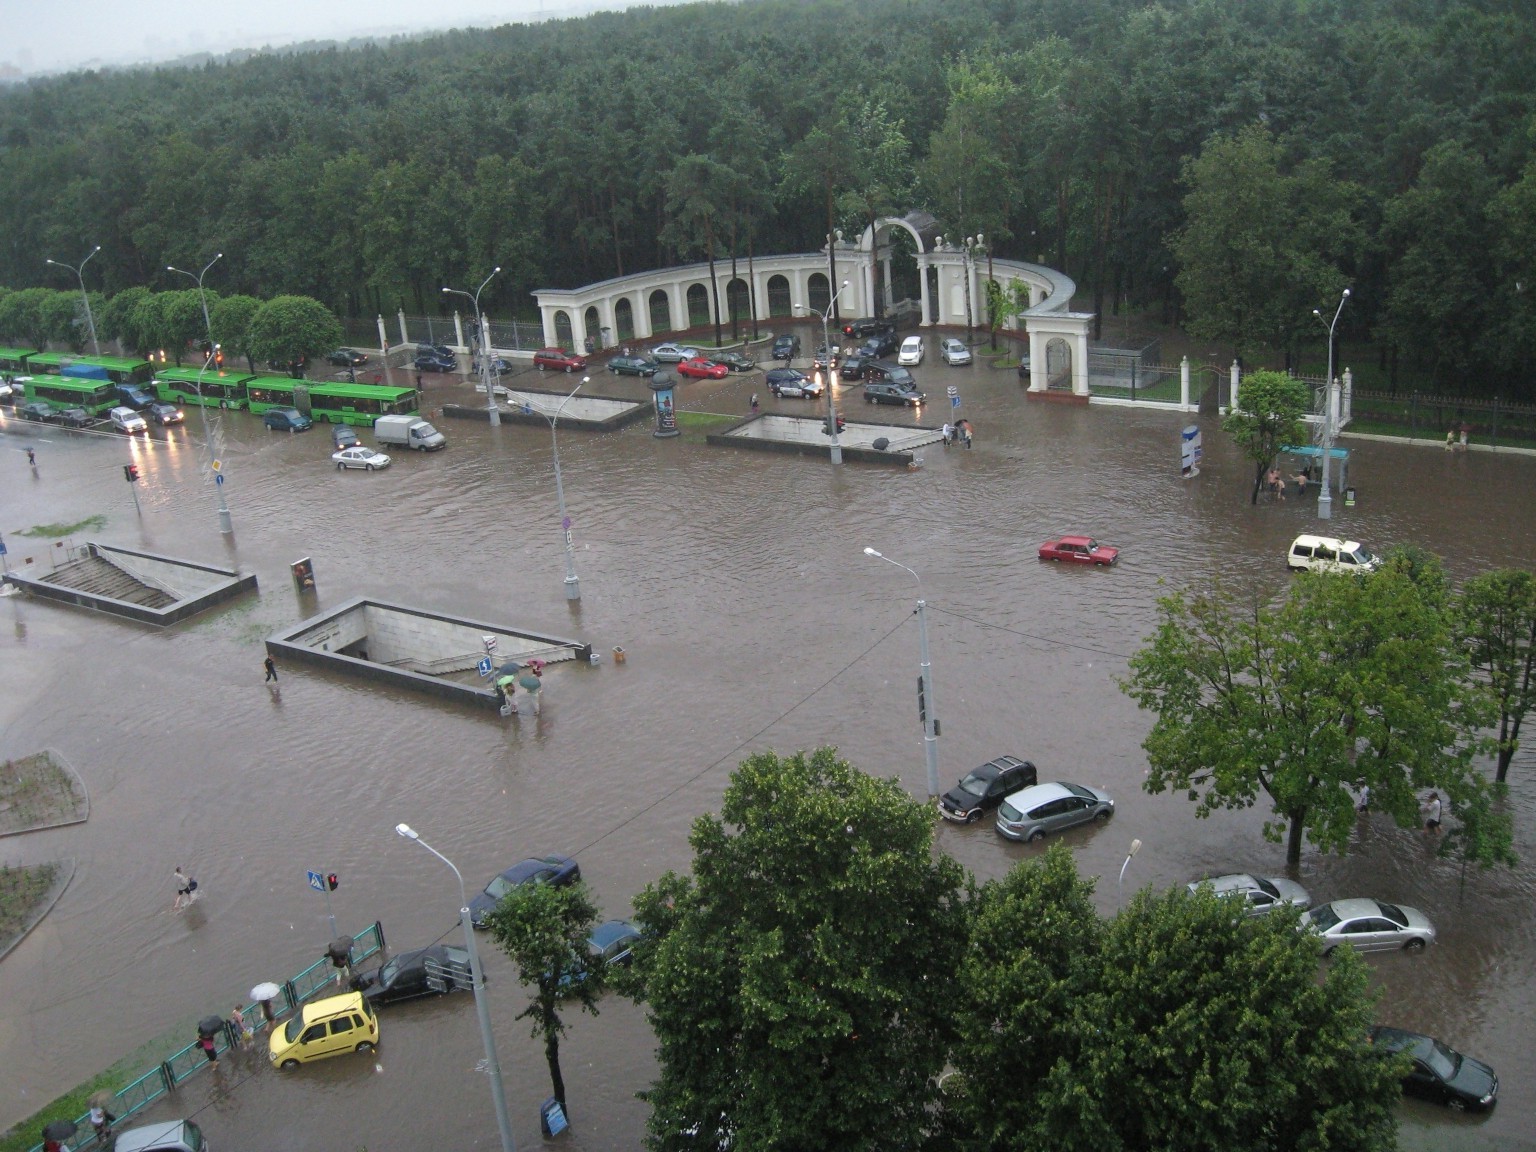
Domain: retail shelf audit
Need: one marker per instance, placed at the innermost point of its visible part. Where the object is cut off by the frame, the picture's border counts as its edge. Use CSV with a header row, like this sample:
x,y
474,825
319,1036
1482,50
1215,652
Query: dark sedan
x,y
556,870
985,788
1440,1074
433,362
424,972
36,410
735,361
75,418
853,368
793,382
633,366
347,358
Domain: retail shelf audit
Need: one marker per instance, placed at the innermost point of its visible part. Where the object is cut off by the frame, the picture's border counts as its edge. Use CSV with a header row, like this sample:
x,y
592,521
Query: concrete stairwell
x,y
99,577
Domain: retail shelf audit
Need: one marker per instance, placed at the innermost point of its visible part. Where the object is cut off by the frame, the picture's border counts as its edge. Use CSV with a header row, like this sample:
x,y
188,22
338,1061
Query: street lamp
x,y
84,295
826,346
485,345
927,700
226,523
477,980
1325,498
1135,848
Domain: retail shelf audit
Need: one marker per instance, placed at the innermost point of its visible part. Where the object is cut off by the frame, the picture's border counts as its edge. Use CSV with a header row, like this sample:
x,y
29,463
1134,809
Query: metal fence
x,y
187,1062
1416,414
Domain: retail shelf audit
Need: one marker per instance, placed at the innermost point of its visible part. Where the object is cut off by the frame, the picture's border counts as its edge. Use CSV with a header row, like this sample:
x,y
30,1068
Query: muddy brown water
x,y
735,582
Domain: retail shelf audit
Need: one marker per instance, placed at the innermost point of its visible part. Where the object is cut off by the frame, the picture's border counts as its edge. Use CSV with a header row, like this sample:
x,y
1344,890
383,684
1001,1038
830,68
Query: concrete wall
x,y
175,577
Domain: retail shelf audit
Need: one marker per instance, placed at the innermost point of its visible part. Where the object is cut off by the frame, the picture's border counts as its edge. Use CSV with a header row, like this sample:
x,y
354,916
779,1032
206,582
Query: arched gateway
x,y
893,257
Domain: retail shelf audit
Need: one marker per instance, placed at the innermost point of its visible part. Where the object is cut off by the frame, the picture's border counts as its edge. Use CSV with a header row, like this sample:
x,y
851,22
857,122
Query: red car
x,y
559,359
1079,550
703,369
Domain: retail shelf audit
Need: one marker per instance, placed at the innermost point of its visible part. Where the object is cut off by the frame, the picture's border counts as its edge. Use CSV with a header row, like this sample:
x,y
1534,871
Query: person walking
x,y
754,403
947,432
32,457
101,1121
186,889
238,1026
1431,812
271,666
210,1049
1365,799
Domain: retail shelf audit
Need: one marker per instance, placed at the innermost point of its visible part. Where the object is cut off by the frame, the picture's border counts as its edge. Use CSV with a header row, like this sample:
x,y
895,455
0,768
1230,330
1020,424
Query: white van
x,y
1326,554
127,420
409,432
167,1136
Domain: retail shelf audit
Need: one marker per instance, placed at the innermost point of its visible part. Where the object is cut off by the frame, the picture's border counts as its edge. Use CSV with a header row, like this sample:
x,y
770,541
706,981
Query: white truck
x,y
409,432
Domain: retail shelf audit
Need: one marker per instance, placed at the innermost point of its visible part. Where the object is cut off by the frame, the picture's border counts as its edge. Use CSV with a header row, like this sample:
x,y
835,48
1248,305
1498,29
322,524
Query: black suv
x,y
786,347
867,326
853,367
985,788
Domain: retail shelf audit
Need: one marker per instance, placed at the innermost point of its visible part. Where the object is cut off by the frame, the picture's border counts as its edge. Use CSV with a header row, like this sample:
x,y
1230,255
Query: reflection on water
x,y
736,583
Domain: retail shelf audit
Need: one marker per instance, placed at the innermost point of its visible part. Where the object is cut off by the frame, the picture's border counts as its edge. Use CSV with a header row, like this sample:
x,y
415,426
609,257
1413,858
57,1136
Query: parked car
x,y
559,360
736,361
125,419
161,1136
1370,926
614,941
432,362
36,410
76,417
164,414
347,358
321,1028
431,971
441,351
891,392
1046,808
826,357
498,366
286,419
1327,554
954,351
701,369
912,351
633,366
289,367
360,456
880,344
791,382
1025,367
345,436
1440,1074
556,870
985,788
853,368
867,326
786,347
673,353
1260,895
1079,550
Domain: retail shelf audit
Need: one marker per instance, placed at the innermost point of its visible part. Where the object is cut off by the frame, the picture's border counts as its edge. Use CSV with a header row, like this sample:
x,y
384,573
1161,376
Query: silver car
x,y
1370,926
1261,894
1043,808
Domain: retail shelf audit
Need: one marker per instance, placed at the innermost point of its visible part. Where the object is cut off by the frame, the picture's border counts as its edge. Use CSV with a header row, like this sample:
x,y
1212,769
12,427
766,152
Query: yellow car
x,y
324,1028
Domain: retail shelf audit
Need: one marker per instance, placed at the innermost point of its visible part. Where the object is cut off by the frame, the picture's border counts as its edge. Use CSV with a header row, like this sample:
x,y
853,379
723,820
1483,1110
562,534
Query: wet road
x,y
736,583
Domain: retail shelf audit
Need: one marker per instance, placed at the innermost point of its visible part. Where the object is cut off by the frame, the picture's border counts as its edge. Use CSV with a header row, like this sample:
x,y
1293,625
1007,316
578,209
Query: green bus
x,y
119,369
220,389
359,404
95,396
13,361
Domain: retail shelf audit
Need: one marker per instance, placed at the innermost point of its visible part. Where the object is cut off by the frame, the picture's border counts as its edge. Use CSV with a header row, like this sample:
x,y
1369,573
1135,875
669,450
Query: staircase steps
x,y
98,577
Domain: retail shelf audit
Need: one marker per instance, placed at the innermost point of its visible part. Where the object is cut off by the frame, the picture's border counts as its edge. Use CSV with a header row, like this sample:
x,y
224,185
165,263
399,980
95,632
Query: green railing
x,y
189,1061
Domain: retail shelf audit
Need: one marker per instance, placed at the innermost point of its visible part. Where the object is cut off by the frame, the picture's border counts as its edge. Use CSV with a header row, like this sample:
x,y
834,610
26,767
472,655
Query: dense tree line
x,y
1205,155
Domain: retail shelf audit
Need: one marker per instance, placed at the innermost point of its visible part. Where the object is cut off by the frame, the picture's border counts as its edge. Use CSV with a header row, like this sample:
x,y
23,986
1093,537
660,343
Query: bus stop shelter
x,y
1310,457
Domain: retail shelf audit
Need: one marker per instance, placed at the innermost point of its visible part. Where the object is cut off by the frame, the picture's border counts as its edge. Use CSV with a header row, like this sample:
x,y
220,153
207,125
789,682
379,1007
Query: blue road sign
x,y
954,402
2,545
316,881
218,477
484,667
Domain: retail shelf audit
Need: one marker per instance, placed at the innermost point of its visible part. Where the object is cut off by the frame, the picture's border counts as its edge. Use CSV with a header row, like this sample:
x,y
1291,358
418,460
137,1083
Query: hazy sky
x,y
61,35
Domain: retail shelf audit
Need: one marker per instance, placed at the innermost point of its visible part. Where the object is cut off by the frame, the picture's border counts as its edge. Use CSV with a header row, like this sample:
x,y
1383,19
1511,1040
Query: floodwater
x,y
736,583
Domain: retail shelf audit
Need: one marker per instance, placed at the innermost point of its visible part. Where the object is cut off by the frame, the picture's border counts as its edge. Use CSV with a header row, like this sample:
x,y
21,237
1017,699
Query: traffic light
x,y
218,355
331,881
131,473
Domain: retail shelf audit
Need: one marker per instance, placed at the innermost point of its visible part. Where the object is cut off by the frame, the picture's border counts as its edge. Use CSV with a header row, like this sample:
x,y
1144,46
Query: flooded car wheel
x,y
1414,945
290,1064
365,1046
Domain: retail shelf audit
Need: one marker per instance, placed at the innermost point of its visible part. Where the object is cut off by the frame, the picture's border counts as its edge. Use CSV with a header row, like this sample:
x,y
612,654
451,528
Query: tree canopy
x,y
1267,417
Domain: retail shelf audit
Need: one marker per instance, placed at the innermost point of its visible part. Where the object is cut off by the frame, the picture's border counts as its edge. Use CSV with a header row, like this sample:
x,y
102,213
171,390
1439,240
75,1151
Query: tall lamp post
x,y
927,700
1120,889
226,523
483,328
826,344
482,1009
79,272
1325,497
572,584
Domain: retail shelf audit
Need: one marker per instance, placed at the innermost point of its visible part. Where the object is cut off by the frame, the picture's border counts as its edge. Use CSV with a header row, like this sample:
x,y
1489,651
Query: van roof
x,y
1337,545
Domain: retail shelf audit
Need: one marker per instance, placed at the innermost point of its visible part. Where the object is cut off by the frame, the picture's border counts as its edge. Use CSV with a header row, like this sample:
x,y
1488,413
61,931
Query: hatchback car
x,y
347,358
322,1028
888,391
786,347
1047,808
736,361
556,870
360,456
701,369
166,414
1259,894
37,410
1439,1073
558,360
286,419
954,351
344,436
912,351
430,971
794,383
127,420
1079,550
673,353
633,366
986,787
1370,926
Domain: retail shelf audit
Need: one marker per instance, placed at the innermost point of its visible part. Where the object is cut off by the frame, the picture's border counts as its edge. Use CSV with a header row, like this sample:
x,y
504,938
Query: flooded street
x,y
736,583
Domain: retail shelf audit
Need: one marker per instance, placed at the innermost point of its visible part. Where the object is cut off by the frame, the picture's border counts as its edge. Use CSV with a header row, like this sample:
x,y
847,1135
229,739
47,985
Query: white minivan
x,y
127,420
912,349
1326,554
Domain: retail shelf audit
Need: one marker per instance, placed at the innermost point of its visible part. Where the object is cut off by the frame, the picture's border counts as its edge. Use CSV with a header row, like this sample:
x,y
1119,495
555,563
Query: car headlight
x,y
1488,1099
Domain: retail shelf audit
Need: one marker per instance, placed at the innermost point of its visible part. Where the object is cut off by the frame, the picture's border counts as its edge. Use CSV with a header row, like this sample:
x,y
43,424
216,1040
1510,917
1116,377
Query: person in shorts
x,y
186,889
1432,815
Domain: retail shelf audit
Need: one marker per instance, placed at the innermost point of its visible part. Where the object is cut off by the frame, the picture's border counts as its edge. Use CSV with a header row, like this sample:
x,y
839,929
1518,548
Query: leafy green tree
x,y
1346,683
25,316
292,329
797,980
184,327
231,319
543,930
151,324
698,199
117,319
1266,418
1496,620
63,318
821,163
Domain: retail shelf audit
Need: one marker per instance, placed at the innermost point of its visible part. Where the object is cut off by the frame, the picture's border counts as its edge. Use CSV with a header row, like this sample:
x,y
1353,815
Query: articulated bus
x,y
119,370
359,404
95,396
216,390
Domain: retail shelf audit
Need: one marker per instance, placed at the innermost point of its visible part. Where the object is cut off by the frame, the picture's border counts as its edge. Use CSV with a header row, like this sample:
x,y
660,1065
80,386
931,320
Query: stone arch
x,y
817,291
698,305
660,305
623,320
1058,363
565,334
738,300
779,299
592,321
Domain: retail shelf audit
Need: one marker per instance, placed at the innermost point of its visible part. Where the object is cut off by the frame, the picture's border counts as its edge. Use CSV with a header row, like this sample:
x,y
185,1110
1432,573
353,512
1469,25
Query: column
x,y
405,336
383,337
1236,374
1184,383
1349,394
922,282
1080,364
458,330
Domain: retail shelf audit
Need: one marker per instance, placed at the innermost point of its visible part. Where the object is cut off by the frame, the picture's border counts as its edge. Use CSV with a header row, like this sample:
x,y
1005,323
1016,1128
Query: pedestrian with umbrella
x,y
531,682
207,1028
264,994
55,1132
